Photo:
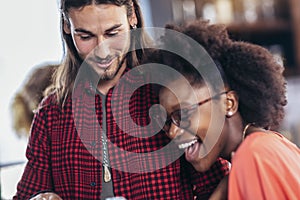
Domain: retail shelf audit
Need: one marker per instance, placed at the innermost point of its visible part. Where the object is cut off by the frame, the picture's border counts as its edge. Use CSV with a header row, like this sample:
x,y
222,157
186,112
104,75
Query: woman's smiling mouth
x,y
187,144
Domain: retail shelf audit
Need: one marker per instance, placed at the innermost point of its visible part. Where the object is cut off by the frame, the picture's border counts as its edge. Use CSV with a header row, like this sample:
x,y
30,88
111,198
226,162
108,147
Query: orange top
x,y
265,166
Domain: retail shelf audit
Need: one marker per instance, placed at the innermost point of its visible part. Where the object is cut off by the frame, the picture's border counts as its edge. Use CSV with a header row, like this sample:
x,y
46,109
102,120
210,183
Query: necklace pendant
x,y
107,175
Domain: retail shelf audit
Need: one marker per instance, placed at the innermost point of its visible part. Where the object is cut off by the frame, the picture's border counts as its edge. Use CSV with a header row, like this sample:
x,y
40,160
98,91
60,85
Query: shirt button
x,y
194,187
93,143
93,184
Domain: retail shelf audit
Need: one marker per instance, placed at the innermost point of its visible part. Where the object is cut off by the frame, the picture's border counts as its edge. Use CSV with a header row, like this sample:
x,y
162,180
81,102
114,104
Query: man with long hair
x,y
86,141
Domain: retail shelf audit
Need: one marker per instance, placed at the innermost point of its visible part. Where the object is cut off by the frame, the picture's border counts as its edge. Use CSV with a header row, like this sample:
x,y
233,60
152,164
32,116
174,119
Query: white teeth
x,y
188,144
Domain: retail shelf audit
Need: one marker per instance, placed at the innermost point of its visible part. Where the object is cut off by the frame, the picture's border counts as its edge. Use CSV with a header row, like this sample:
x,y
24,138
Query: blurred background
x,y
30,37
274,24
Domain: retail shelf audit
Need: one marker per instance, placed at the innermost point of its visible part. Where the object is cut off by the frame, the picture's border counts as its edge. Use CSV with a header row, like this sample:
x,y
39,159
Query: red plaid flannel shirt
x,y
63,153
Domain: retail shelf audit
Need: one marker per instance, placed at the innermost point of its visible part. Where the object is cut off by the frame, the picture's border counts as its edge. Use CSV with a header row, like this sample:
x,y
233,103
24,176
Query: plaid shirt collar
x,y
129,77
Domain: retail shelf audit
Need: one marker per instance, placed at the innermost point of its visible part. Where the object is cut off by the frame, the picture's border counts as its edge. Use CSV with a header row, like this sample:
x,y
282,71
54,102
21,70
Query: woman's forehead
x,y
182,91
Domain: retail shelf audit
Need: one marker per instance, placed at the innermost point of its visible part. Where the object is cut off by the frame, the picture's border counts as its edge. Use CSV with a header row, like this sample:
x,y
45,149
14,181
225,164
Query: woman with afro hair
x,y
228,102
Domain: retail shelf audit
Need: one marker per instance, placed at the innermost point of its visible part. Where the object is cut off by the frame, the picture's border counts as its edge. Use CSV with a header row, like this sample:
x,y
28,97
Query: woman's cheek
x,y
203,125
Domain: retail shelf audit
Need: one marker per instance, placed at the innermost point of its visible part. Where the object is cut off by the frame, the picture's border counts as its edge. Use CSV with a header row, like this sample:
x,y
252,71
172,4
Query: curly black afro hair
x,y
249,69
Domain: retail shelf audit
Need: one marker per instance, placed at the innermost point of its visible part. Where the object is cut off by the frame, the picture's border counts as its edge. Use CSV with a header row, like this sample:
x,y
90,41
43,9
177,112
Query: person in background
x,y
71,151
251,100
26,100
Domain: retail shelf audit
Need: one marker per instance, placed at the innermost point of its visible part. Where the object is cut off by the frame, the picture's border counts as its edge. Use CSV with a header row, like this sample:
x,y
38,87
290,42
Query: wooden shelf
x,y
281,32
260,27
291,71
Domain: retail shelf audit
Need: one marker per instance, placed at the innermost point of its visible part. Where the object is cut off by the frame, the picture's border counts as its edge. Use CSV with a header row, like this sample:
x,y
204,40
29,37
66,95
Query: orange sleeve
x,y
265,167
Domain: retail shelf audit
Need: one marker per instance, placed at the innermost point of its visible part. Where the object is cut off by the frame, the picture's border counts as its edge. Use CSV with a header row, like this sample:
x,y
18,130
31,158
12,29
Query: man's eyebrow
x,y
113,27
83,31
90,33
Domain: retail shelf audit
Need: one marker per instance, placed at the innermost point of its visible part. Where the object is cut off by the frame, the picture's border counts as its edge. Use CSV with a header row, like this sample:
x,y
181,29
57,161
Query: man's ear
x,y
232,103
133,21
66,26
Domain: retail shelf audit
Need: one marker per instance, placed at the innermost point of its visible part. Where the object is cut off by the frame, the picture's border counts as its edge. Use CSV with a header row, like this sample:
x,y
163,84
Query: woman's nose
x,y
174,131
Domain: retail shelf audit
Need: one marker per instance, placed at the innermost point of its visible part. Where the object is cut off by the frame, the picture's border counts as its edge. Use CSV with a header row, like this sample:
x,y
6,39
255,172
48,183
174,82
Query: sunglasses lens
x,y
181,118
176,117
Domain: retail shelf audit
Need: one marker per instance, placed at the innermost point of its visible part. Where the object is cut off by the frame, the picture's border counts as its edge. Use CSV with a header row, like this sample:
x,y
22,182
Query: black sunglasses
x,y
179,117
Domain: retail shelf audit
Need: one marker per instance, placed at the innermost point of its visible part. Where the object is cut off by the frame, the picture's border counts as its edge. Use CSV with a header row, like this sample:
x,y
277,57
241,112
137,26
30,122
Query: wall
x,y
291,123
29,36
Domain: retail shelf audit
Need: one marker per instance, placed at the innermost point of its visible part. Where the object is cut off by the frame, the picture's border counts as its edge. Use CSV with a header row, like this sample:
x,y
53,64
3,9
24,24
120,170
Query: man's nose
x,y
102,50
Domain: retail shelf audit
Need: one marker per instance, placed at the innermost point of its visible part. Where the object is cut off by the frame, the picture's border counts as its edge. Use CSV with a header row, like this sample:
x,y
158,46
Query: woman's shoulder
x,y
266,144
266,140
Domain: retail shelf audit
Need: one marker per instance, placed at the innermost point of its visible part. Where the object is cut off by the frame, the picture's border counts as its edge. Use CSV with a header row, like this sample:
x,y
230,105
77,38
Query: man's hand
x,y
46,196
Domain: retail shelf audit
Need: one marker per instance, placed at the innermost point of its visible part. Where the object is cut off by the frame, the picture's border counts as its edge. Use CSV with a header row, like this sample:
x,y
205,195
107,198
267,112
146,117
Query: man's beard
x,y
108,75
